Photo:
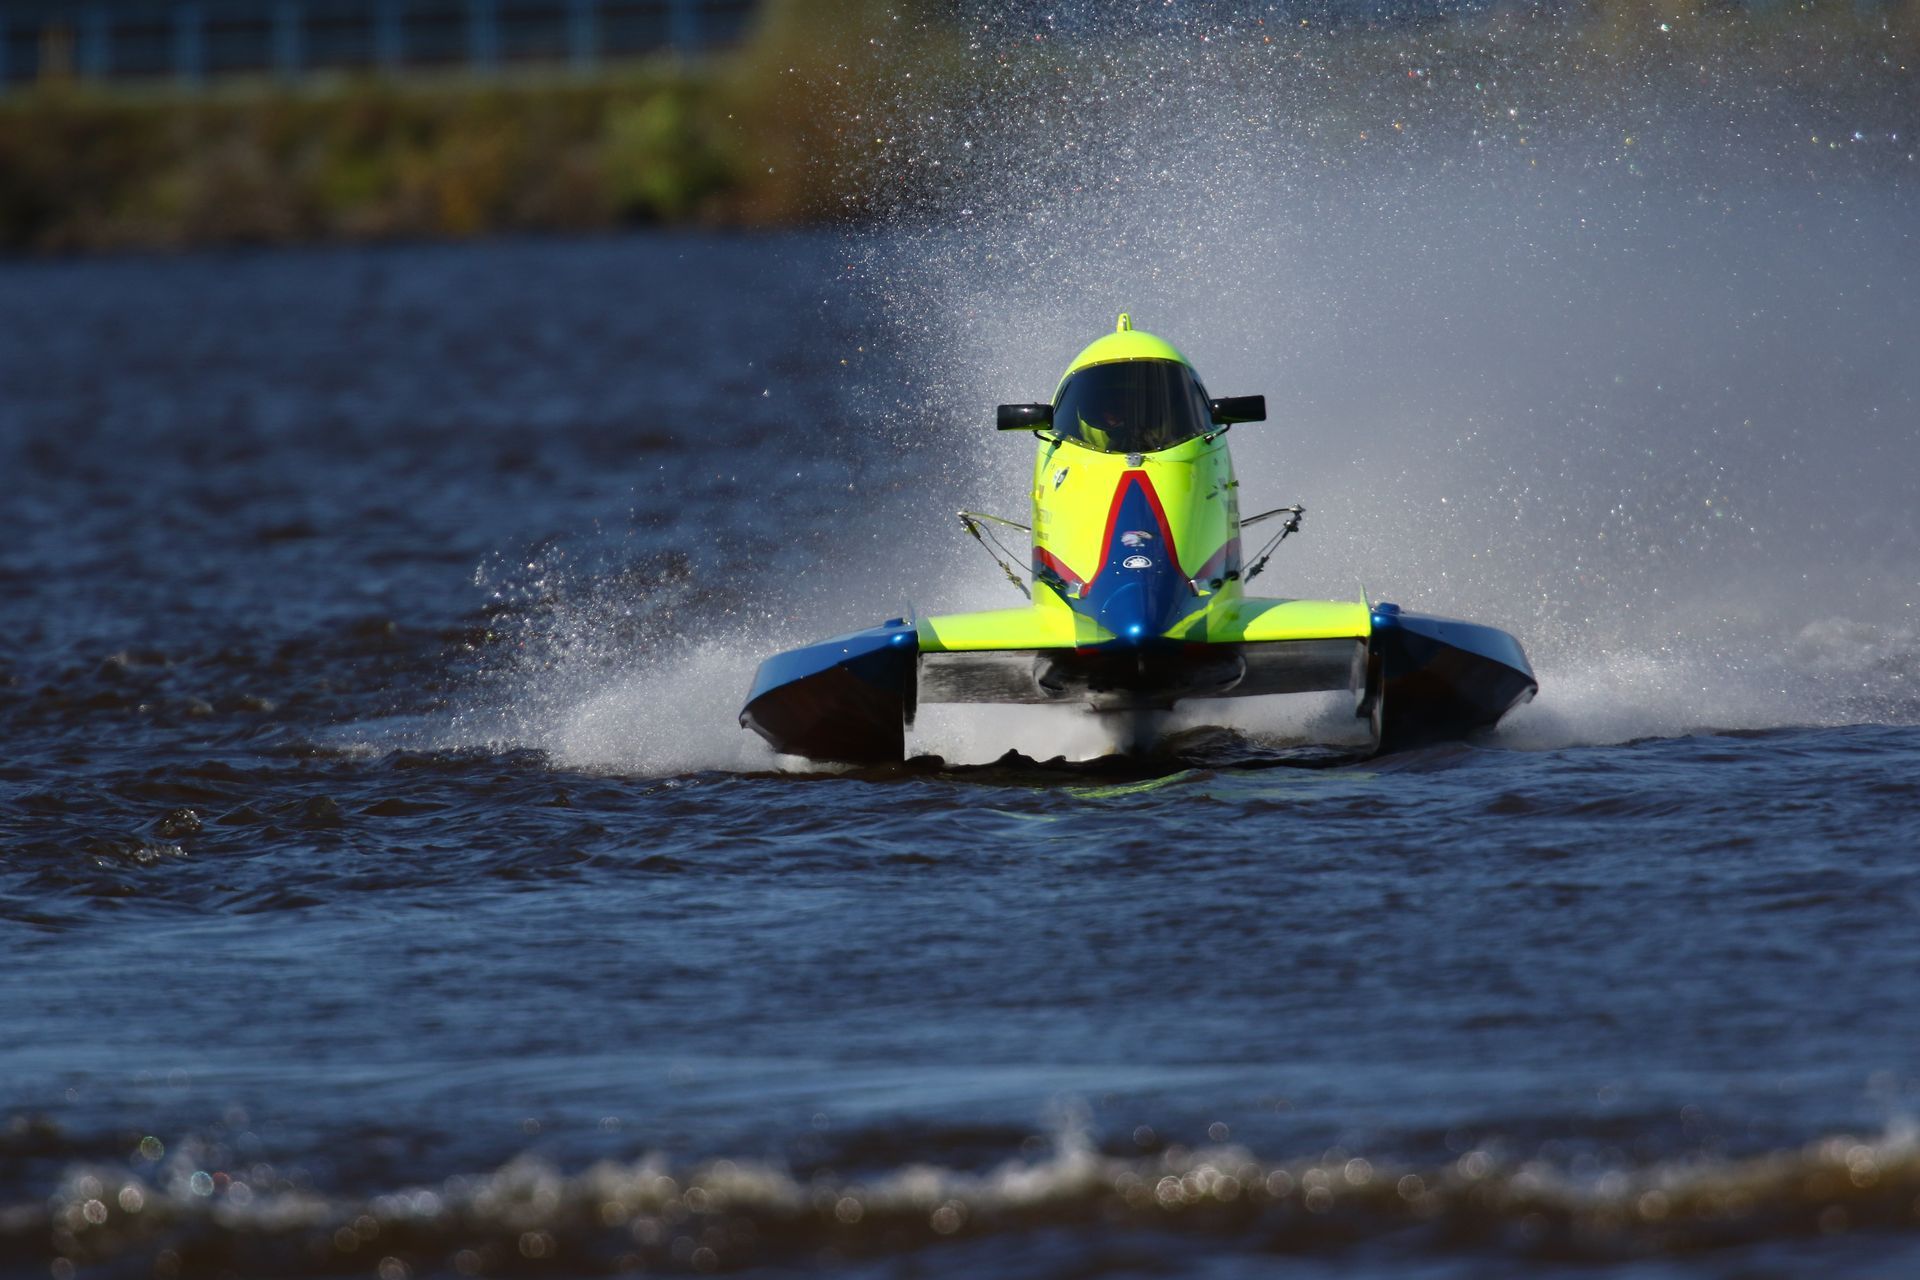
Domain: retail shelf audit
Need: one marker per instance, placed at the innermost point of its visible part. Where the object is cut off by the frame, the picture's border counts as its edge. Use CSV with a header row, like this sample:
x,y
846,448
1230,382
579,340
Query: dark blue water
x,y
387,890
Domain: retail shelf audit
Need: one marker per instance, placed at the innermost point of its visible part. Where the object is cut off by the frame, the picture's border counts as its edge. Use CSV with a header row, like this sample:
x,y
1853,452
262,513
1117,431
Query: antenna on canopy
x,y
1125,323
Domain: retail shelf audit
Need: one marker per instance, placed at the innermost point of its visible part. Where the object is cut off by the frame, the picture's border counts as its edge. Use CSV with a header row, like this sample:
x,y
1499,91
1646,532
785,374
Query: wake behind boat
x,y
1137,592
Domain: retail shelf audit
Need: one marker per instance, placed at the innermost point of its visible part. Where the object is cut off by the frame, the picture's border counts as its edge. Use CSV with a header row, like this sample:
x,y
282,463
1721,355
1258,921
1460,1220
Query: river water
x,y
386,888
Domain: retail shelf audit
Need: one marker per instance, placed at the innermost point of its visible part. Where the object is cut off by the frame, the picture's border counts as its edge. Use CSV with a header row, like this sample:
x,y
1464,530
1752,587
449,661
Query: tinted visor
x,y
1132,406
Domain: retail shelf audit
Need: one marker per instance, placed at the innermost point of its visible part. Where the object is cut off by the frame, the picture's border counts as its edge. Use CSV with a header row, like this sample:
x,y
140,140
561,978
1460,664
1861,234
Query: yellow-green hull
x,y
1137,602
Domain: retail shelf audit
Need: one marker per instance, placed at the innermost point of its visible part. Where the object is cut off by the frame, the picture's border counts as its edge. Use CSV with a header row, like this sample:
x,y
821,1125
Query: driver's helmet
x,y
1103,416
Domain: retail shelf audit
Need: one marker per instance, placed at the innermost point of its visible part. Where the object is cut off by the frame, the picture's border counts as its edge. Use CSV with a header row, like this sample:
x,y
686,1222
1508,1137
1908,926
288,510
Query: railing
x,y
193,41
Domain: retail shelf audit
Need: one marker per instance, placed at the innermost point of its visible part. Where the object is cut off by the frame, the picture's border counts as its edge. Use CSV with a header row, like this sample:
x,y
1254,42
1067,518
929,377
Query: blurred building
x,y
193,41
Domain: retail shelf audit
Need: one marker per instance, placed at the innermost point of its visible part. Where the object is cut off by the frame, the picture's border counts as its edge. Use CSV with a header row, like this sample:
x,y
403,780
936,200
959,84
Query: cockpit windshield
x,y
1132,406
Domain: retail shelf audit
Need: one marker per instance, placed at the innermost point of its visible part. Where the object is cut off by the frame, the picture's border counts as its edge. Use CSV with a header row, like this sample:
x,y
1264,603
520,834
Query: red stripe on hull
x,y
1127,479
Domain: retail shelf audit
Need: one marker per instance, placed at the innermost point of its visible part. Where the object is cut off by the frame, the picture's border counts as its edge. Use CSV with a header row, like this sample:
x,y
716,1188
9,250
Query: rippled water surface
x,y
387,890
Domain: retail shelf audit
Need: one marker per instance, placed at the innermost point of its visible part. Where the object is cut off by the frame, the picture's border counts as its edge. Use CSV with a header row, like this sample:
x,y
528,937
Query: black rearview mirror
x,y
1025,417
1231,409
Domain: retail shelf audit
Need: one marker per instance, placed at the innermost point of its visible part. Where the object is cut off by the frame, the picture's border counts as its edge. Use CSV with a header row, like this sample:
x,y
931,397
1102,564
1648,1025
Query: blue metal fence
x,y
192,41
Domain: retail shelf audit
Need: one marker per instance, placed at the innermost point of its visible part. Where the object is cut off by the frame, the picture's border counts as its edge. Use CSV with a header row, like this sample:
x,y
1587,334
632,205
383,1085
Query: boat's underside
x,y
1142,679
1413,678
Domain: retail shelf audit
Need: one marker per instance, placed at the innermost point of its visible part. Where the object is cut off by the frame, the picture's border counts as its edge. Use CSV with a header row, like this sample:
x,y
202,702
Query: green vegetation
x,y
804,123
87,168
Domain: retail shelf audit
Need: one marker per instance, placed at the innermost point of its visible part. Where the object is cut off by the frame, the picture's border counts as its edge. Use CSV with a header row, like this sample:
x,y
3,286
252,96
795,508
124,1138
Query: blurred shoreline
x,y
842,113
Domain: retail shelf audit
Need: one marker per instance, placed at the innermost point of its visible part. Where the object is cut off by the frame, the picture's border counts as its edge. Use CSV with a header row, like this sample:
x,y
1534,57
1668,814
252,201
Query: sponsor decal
x,y
1136,562
1136,538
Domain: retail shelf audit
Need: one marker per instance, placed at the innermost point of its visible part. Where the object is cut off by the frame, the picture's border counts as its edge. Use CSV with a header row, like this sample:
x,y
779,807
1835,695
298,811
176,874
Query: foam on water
x,y
672,711
652,1213
1836,671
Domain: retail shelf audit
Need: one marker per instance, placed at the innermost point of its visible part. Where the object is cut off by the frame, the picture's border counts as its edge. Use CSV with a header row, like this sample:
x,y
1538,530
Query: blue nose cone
x,y
1125,612
1138,603
1139,591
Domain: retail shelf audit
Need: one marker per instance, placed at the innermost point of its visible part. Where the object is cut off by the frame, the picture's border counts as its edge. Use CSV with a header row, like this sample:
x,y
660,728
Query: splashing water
x,y
1645,408
1580,342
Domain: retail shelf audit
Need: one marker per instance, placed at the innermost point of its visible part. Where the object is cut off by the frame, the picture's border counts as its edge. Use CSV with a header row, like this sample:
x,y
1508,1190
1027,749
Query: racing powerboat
x,y
1137,594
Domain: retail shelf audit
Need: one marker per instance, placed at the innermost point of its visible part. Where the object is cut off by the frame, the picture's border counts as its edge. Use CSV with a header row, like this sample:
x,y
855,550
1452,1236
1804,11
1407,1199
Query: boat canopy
x,y
1132,406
